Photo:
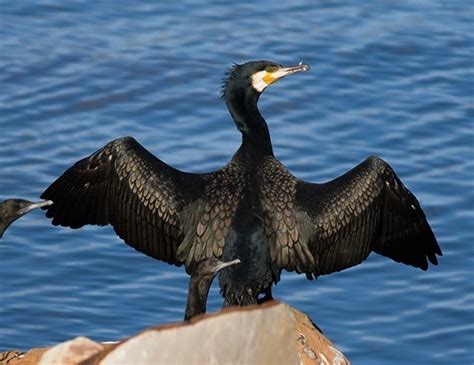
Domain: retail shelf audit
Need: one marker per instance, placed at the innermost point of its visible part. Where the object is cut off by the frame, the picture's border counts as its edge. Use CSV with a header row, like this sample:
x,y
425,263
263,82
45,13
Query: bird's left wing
x,y
323,228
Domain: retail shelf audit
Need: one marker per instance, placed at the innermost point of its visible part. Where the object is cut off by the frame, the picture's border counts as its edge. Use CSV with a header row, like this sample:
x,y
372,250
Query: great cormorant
x,y
12,209
252,209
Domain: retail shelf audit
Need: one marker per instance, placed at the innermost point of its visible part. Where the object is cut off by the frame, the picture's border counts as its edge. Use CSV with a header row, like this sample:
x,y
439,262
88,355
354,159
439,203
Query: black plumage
x,y
252,209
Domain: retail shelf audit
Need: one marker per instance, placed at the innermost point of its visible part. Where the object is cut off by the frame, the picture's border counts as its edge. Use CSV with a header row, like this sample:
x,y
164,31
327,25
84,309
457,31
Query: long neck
x,y
242,105
7,217
197,296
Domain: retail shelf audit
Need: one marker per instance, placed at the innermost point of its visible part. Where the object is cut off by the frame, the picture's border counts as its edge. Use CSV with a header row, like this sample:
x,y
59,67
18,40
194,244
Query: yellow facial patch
x,y
268,78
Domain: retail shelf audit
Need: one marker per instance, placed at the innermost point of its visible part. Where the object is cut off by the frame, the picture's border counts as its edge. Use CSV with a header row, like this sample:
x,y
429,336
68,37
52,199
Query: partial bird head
x,y
257,75
200,282
12,209
209,268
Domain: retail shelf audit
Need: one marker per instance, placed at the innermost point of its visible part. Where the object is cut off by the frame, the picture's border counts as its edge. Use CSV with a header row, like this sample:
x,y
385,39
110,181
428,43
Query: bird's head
x,y
12,209
209,268
201,279
241,90
15,208
255,76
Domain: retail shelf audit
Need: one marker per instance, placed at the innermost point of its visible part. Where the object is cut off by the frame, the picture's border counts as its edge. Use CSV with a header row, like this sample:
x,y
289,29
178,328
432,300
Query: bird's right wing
x,y
367,209
124,185
322,228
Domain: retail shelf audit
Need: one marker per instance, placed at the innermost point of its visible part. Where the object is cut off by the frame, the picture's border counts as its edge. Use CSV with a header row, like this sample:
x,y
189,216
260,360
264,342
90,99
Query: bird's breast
x,y
241,284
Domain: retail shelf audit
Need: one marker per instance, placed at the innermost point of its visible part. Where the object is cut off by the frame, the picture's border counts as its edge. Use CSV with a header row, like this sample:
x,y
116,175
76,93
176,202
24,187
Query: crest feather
x,y
229,74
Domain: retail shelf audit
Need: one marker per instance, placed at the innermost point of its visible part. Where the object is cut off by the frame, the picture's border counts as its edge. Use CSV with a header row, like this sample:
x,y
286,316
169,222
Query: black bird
x,y
12,209
252,209
200,282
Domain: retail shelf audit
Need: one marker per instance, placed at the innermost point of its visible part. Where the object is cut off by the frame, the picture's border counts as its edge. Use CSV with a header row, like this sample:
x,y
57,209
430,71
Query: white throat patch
x,y
258,81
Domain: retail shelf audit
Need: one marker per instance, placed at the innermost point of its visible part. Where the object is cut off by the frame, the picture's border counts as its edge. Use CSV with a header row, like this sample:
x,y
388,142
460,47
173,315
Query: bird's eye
x,y
271,68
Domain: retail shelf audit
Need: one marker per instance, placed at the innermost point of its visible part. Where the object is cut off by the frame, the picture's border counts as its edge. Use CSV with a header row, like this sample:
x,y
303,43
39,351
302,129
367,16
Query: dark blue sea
x,y
389,78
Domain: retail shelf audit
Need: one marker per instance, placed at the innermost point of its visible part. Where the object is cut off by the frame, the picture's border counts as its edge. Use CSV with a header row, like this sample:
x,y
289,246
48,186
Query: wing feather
x,y
124,185
367,209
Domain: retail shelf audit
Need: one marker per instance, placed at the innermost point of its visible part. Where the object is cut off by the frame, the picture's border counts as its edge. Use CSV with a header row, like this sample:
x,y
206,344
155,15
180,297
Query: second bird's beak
x,y
223,265
32,206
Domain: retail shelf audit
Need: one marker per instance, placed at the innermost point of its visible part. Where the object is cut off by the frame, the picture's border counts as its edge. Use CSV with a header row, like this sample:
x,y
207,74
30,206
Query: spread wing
x,y
367,209
124,185
322,228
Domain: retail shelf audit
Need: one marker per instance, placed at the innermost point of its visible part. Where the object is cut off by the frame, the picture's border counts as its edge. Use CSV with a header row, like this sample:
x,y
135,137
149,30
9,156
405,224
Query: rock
x,y
9,356
251,335
73,352
314,347
21,358
271,333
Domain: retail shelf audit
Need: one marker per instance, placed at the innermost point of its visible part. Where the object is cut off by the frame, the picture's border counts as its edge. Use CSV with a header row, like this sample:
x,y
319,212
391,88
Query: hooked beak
x,y
223,265
284,71
32,206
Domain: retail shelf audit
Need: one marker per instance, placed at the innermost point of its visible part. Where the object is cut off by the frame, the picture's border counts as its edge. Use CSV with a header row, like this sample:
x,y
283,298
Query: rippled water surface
x,y
390,78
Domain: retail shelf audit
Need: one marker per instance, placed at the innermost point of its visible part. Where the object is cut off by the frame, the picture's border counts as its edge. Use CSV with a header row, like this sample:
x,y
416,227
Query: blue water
x,y
390,78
